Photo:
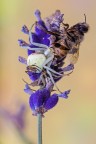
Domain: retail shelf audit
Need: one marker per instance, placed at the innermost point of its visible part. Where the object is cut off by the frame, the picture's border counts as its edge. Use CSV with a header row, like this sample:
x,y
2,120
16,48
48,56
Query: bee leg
x,y
66,25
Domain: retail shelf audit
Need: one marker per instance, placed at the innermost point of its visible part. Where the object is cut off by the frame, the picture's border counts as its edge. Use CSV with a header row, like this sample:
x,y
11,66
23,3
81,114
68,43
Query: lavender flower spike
x,y
51,43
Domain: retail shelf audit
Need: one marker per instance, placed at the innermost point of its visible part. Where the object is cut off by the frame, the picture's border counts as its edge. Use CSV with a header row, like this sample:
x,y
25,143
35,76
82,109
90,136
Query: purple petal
x,y
33,76
39,30
25,29
31,103
43,36
22,60
38,15
38,99
68,68
45,40
22,43
35,39
51,102
64,94
28,90
57,79
46,93
39,37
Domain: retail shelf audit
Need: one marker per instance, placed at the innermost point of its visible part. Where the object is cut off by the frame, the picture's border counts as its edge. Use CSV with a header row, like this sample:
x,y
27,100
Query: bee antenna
x,y
85,18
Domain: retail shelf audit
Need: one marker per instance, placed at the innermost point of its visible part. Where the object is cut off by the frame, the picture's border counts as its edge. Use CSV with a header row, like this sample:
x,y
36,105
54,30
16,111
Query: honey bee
x,y
75,36
66,41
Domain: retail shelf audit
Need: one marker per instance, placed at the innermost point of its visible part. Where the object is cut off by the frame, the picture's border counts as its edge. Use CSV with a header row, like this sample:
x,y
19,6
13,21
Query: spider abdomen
x,y
36,59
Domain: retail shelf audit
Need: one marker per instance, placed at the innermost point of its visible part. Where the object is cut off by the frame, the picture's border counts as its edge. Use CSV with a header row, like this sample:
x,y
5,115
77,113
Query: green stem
x,y
39,128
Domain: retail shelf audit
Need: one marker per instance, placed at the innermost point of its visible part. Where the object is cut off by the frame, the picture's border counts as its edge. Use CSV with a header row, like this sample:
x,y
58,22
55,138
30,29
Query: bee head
x,y
83,27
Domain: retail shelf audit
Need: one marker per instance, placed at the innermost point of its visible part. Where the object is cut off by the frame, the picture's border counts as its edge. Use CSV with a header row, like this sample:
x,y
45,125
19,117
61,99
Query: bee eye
x,y
84,29
57,45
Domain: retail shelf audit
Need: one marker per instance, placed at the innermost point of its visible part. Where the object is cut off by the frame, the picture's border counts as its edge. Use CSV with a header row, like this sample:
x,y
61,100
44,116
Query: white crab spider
x,y
42,58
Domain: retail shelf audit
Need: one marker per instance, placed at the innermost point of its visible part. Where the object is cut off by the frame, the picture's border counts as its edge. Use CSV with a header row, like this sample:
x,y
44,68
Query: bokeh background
x,y
73,120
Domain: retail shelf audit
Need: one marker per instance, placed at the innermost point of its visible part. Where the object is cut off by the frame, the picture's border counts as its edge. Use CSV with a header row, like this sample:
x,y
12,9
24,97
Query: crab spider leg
x,y
36,44
48,60
36,49
28,85
68,73
53,81
56,76
38,68
42,79
47,68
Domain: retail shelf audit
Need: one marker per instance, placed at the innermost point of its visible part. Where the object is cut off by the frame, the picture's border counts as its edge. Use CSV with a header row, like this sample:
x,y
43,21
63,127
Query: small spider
x,y
44,57
42,60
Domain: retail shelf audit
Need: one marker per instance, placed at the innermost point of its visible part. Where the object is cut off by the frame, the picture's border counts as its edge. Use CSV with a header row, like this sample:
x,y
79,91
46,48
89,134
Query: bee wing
x,y
73,58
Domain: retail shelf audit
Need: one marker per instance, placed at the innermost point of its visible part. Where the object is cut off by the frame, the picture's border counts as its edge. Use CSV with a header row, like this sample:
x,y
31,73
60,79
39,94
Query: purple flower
x,y
25,29
68,68
22,43
28,90
41,100
33,76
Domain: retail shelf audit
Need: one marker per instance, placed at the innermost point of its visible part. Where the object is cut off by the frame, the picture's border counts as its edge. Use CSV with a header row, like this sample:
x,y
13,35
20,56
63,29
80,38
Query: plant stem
x,y
39,128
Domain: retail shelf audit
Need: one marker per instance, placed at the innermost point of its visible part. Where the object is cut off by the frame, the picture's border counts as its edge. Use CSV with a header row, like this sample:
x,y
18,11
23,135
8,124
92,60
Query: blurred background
x,y
71,121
